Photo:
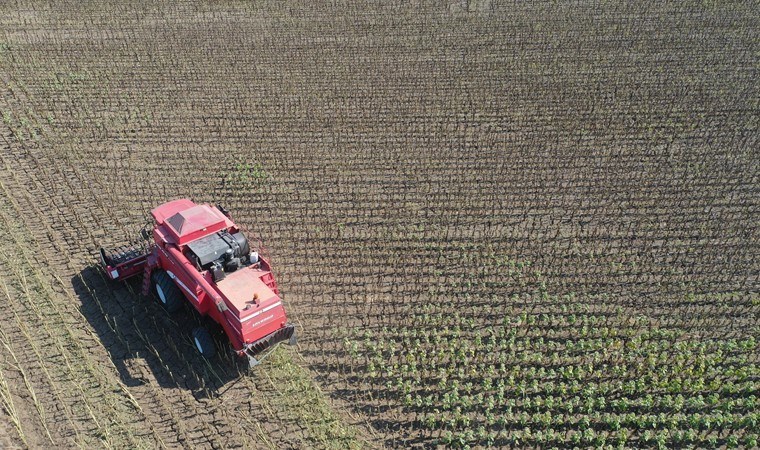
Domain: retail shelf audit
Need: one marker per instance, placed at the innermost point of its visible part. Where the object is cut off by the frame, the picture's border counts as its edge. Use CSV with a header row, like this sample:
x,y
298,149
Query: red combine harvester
x,y
199,254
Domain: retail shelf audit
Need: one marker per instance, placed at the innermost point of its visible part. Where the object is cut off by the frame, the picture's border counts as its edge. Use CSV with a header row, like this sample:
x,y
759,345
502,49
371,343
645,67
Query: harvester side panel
x,y
201,294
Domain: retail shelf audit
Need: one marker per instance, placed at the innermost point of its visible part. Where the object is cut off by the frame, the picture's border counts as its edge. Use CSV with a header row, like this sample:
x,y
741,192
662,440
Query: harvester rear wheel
x,y
204,343
167,293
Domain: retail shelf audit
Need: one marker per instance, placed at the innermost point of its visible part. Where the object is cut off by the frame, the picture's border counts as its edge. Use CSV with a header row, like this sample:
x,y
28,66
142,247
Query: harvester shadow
x,y
143,340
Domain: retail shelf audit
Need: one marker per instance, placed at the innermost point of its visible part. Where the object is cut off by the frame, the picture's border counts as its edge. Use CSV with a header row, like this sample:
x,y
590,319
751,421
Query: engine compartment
x,y
220,253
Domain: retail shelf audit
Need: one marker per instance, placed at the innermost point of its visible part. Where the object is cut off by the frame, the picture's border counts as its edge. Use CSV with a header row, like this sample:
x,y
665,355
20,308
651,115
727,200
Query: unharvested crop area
x,y
496,223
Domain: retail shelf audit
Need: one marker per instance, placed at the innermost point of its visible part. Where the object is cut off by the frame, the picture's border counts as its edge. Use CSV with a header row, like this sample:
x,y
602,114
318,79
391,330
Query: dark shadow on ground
x,y
136,332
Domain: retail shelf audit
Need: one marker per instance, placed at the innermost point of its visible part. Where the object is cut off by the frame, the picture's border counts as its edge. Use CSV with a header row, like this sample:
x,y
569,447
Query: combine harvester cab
x,y
198,254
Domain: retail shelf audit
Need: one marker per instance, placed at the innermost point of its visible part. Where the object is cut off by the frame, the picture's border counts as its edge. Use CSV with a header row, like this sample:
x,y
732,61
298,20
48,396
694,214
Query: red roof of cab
x,y
187,221
168,209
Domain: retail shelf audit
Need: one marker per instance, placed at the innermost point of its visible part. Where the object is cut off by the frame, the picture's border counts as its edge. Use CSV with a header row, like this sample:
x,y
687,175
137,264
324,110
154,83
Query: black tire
x,y
166,292
204,343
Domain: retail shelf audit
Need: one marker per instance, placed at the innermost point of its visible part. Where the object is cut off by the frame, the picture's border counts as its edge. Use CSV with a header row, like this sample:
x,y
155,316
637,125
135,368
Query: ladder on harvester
x,y
150,264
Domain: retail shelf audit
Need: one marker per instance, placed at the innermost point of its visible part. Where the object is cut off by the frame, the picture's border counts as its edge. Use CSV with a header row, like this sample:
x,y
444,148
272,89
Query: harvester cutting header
x,y
198,254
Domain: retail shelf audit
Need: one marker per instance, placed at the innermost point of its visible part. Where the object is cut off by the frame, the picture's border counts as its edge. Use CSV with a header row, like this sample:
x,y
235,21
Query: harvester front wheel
x,y
167,293
204,343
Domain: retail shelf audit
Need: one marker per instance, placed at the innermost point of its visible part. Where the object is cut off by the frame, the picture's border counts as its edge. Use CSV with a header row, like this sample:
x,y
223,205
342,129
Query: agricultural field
x,y
496,224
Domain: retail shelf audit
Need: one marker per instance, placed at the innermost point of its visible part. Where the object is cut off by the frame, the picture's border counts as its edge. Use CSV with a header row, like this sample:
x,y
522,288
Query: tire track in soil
x,y
93,405
67,390
28,339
